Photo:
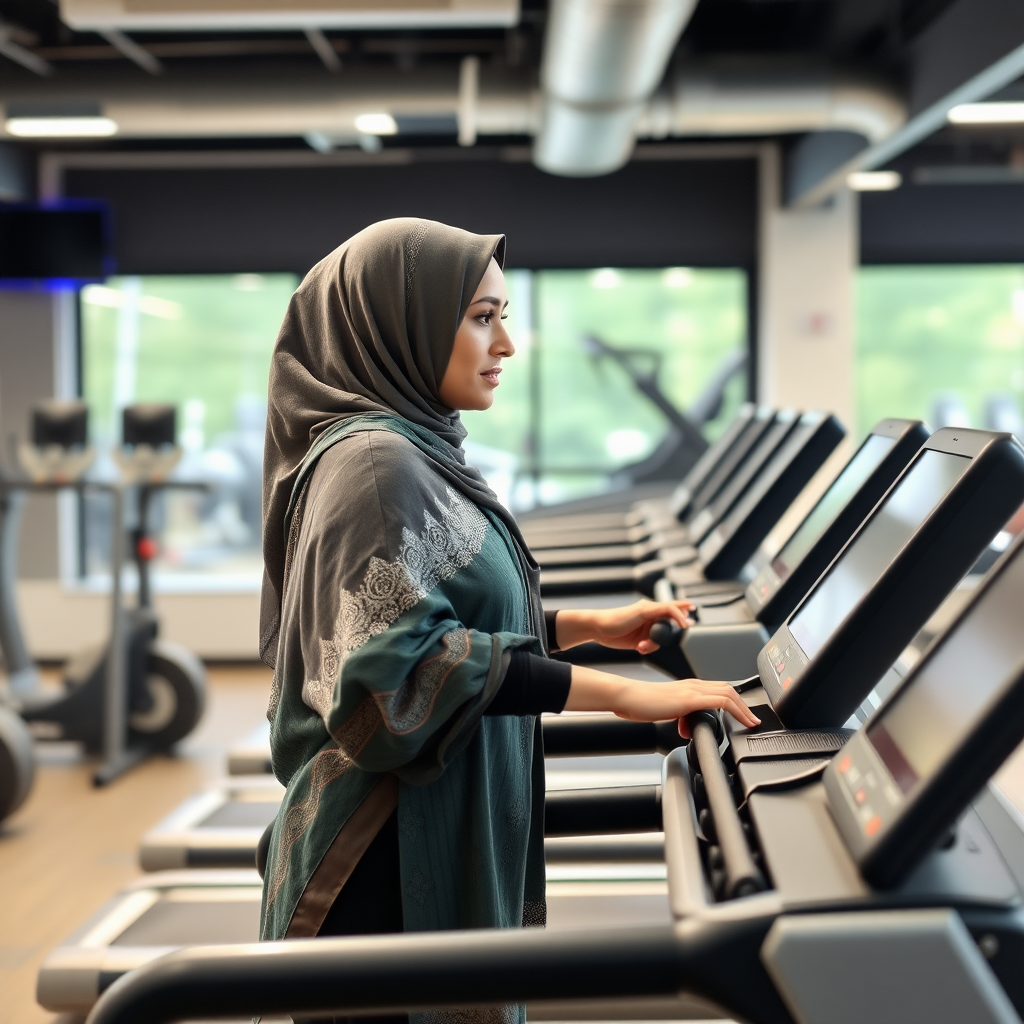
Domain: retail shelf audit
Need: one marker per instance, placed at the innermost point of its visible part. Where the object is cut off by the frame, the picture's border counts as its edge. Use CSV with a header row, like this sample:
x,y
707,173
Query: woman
x,y
401,607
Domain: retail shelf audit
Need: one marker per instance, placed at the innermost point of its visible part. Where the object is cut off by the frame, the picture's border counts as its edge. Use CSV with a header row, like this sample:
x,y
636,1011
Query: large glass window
x,y
566,417
941,343
204,345
567,412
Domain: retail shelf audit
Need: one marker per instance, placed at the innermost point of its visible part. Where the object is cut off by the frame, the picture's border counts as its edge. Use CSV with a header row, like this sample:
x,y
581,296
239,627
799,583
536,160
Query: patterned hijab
x,y
371,330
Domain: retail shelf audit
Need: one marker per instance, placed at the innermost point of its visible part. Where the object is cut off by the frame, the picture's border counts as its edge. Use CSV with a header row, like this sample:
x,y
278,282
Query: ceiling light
x,y
376,124
874,181
987,113
60,127
58,120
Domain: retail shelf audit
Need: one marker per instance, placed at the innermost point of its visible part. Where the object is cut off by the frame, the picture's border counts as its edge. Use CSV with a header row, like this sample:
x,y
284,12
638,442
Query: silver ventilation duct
x,y
602,61
730,99
738,98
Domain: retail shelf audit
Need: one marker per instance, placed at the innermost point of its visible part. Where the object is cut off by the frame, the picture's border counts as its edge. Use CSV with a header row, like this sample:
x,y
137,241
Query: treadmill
x,y
824,661
221,825
603,848
785,459
768,589
890,889
708,475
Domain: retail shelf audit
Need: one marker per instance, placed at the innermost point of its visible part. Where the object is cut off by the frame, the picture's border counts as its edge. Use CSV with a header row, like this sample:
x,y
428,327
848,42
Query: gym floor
x,y
72,847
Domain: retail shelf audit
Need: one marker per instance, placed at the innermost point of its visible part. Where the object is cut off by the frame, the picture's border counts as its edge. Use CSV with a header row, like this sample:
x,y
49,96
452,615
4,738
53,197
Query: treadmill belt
x,y
242,814
171,922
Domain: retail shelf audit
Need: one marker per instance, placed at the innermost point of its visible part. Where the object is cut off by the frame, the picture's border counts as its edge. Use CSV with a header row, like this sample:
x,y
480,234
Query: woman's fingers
x,y
722,695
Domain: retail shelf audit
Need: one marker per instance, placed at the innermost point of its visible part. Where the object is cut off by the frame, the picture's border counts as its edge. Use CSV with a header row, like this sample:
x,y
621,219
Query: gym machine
x,y
937,518
544,528
136,694
889,890
724,534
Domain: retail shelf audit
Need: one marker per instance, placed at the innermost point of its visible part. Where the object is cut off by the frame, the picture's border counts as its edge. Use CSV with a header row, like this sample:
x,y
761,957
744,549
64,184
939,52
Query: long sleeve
x,y
532,685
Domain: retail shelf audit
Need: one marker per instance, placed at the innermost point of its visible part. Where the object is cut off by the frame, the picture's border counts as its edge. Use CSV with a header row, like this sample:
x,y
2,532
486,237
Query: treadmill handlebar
x,y
600,734
742,876
417,971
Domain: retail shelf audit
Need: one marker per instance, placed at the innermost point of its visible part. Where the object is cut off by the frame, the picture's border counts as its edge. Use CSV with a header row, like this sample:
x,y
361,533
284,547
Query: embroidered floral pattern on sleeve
x,y
408,707
391,588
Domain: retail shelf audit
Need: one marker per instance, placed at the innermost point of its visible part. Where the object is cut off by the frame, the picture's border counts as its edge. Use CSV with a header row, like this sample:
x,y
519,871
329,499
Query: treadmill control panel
x,y
780,663
762,587
911,771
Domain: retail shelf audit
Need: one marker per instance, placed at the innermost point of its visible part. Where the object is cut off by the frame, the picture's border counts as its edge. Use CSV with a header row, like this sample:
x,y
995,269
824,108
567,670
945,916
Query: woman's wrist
x,y
593,690
573,626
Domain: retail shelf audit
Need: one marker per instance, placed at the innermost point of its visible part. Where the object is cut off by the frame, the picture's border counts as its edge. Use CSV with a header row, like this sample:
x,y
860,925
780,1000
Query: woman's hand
x,y
638,701
627,628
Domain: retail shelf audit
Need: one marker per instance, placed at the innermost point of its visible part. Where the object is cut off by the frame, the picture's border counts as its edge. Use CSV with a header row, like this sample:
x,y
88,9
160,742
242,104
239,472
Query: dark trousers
x,y
370,903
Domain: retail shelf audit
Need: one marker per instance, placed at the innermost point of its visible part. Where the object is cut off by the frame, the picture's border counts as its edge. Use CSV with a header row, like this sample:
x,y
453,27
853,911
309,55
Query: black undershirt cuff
x,y
549,625
532,685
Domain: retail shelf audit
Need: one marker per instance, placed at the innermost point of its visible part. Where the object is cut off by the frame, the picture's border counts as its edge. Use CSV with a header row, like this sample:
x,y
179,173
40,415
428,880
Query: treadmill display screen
x,y
834,500
957,685
859,566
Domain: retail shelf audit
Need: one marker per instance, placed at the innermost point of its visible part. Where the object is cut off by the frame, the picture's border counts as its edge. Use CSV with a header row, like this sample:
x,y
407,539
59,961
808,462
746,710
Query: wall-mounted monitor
x,y
48,243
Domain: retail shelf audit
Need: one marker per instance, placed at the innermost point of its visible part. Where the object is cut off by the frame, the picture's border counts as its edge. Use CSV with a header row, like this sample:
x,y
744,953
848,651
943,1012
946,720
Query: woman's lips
x,y
491,375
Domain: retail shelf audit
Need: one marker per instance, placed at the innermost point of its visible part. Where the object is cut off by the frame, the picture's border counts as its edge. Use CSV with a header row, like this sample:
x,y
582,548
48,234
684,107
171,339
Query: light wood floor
x,y
72,847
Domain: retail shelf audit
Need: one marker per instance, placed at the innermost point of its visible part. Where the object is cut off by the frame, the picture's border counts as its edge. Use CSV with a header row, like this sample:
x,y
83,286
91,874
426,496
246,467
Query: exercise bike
x,y
136,694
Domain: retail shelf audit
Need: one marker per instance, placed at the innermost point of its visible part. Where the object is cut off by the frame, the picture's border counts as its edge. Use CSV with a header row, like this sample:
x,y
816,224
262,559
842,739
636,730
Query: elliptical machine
x,y
136,694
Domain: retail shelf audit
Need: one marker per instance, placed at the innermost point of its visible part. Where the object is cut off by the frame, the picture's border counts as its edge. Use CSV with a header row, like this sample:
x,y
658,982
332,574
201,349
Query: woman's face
x,y
481,343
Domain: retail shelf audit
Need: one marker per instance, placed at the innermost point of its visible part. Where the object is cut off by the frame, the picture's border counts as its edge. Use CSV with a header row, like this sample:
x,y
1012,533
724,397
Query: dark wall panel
x,y
651,213
943,224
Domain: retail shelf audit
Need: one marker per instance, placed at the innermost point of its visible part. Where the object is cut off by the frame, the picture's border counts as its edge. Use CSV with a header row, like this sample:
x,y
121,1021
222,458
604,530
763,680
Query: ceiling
x,y
903,46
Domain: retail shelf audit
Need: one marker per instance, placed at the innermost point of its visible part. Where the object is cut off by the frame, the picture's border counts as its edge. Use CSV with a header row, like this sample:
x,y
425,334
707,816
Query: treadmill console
x,y
910,552
897,785
681,497
727,466
770,442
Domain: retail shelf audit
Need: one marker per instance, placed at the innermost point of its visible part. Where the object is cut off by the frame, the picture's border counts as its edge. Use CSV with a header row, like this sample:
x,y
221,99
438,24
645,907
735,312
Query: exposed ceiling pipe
x,y
767,102
761,100
602,61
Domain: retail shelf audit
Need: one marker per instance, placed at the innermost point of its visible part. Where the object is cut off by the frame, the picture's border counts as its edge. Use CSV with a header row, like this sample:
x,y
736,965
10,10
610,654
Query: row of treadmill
x,y
848,860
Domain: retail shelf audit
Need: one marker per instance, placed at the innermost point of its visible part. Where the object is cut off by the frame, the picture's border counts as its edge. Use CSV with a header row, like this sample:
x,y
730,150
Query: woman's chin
x,y
480,402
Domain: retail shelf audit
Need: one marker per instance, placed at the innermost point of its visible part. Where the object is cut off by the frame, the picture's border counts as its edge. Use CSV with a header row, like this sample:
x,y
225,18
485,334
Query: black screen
x,y
36,242
859,566
956,686
834,500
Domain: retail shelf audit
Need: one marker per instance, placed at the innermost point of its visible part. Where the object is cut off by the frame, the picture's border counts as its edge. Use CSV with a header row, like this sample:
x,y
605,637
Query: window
x,y
204,345
941,343
567,418
564,420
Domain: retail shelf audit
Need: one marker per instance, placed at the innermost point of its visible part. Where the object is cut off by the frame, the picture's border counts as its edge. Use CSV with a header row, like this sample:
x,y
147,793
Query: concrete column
x,y
807,266
37,352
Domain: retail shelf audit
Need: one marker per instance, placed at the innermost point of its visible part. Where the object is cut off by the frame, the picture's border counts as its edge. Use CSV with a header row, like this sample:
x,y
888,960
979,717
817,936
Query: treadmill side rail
x,y
912,965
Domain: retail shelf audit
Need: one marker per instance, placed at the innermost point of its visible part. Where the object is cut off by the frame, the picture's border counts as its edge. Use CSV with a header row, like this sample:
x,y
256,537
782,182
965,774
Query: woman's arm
x,y
627,628
637,701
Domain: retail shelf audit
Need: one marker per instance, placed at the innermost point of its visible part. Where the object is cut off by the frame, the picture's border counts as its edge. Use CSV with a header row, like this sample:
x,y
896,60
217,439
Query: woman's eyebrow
x,y
492,299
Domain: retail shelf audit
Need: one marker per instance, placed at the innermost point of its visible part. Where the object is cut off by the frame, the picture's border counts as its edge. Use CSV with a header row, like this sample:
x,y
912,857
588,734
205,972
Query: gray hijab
x,y
371,330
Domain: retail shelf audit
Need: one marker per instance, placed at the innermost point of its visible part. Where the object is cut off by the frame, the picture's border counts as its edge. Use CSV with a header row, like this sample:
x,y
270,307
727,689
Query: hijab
x,y
370,331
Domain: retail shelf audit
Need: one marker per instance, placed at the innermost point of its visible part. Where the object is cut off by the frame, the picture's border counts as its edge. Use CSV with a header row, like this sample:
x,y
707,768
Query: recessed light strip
x,y
987,113
60,127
